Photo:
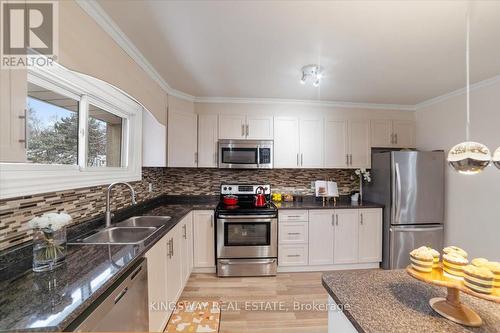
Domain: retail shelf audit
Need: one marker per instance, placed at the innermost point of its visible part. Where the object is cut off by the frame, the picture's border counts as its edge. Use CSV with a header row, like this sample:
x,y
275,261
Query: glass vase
x,y
49,248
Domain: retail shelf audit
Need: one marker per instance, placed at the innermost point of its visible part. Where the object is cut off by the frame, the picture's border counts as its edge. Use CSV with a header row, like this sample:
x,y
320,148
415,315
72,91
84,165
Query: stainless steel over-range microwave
x,y
246,154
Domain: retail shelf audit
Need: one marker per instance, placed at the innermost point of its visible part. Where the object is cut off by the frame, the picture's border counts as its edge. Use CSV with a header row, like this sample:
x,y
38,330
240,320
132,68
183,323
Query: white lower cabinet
x,y
329,238
157,285
169,266
345,250
370,235
321,229
203,237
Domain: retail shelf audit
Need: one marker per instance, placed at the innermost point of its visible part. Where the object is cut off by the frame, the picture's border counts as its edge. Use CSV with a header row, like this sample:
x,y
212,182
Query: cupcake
x,y
453,264
421,261
479,262
494,267
455,249
479,279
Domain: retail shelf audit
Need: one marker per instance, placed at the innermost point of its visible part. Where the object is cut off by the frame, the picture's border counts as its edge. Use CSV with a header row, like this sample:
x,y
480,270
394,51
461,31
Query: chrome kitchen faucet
x,y
108,195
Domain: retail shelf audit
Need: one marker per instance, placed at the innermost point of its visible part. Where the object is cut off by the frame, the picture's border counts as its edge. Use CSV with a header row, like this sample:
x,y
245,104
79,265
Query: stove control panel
x,y
243,189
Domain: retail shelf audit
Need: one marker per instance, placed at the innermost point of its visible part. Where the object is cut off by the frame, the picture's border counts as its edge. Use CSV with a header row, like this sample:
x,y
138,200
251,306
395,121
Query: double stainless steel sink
x,y
134,230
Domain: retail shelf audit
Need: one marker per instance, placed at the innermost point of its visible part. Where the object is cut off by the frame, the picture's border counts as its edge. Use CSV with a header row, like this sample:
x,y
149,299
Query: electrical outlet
x,y
150,187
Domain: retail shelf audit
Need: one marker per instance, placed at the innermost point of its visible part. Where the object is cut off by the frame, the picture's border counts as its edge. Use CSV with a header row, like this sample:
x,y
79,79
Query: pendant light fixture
x,y
469,157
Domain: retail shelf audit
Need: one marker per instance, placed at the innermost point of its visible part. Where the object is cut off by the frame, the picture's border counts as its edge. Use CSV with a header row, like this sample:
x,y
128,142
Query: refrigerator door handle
x,y
403,229
397,208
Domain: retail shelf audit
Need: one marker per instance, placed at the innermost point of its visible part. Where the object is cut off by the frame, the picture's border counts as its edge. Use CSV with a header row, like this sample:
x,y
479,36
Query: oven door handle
x,y
246,261
246,216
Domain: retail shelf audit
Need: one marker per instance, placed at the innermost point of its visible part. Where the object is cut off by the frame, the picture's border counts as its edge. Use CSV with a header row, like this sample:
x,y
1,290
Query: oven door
x,y
237,154
247,236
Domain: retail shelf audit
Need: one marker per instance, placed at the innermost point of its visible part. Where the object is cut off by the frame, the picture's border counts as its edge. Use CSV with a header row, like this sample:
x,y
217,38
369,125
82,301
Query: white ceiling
x,y
373,51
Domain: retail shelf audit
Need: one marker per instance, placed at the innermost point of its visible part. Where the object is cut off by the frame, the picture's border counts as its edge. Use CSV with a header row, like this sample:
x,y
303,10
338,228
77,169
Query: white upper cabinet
x,y
346,236
13,113
207,140
393,133
232,126
321,236
182,139
154,141
259,127
404,133
359,144
286,142
311,140
370,235
336,140
251,127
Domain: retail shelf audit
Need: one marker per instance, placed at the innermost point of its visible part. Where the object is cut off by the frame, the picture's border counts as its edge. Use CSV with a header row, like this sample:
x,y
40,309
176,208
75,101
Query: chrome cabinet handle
x,y
247,130
301,159
350,159
293,255
392,138
196,157
361,218
211,223
24,118
185,231
242,130
298,159
333,220
337,216
169,253
294,233
347,159
396,138
120,295
172,240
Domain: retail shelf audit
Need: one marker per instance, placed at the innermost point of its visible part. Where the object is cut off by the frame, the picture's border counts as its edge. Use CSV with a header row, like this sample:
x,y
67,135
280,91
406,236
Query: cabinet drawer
x,y
292,255
293,215
293,232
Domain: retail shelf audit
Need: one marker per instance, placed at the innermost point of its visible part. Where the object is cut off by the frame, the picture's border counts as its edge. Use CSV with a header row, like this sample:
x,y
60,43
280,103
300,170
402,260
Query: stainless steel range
x,y
247,231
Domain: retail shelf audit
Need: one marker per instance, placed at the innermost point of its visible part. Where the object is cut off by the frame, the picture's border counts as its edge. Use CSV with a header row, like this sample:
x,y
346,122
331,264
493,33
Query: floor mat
x,y
195,317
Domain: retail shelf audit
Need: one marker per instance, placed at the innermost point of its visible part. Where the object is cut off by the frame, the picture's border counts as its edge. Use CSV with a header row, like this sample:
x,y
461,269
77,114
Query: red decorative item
x,y
230,200
260,198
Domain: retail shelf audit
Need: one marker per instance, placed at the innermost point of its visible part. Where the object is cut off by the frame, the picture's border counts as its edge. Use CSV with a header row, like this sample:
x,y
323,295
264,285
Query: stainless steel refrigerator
x,y
411,186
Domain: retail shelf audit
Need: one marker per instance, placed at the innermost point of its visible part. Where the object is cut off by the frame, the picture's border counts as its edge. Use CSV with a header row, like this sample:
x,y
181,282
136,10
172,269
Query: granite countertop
x,y
50,301
313,203
393,301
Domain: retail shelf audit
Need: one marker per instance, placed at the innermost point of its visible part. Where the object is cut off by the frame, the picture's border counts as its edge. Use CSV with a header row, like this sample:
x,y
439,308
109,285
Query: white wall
x,y
472,213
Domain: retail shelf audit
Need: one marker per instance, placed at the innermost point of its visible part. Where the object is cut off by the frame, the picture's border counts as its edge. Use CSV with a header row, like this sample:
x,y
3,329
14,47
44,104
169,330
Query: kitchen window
x,y
77,131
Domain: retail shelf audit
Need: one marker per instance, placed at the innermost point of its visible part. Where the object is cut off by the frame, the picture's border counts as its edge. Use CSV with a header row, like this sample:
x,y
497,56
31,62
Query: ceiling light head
x,y
496,158
469,158
312,73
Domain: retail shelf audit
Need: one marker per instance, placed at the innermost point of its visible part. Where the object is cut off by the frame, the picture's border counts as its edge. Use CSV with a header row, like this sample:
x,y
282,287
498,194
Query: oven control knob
x,y
230,188
225,188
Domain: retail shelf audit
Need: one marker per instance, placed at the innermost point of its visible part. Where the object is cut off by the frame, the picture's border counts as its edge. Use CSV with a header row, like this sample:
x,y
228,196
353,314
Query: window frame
x,y
20,179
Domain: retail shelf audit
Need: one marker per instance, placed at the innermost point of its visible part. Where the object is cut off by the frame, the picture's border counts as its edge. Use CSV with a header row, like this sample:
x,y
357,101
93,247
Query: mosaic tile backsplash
x,y
87,203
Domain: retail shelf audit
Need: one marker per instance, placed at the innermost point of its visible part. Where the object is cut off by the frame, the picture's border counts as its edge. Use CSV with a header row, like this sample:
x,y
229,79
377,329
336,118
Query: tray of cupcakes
x,y
480,277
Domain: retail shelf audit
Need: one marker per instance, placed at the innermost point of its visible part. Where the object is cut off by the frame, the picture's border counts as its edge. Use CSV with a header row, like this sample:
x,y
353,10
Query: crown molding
x,y
95,11
351,105
458,92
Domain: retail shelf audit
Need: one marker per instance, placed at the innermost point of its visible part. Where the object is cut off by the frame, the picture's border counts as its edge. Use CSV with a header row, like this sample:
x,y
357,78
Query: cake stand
x,y
450,307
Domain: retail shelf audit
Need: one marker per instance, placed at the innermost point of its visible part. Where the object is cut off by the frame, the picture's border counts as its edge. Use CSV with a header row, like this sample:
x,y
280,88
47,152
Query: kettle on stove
x,y
260,197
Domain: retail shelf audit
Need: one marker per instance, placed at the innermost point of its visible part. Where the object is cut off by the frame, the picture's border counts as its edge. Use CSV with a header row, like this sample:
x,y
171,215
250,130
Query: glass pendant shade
x,y
496,158
469,157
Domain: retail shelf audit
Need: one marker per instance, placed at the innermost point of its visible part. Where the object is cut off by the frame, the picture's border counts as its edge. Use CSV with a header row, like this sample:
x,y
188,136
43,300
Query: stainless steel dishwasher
x,y
125,305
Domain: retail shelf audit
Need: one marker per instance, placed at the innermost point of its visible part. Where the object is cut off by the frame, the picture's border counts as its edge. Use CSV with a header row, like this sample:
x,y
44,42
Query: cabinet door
x,y
207,140
292,255
174,264
370,235
259,127
182,139
232,126
404,133
187,247
359,144
286,142
13,94
346,237
381,133
203,237
157,285
335,143
311,143
154,141
321,237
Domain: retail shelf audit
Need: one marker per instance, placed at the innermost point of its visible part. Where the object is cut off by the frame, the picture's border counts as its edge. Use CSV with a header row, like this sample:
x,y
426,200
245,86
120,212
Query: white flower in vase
x,y
364,175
